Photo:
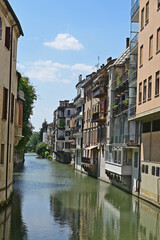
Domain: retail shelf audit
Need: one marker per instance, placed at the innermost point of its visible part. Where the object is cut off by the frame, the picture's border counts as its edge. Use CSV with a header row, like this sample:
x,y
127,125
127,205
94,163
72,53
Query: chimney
x,y
80,77
109,59
127,42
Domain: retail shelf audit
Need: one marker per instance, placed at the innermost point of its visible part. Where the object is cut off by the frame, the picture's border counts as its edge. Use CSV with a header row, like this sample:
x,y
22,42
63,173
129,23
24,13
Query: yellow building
x,y
11,106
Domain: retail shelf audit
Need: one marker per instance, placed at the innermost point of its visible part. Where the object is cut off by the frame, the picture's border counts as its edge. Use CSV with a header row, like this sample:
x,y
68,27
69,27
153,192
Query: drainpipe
x,y
139,165
9,109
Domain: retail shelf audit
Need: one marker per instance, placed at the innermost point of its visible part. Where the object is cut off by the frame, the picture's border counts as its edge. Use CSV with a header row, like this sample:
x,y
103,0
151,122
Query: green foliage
x,y
34,140
49,157
118,80
62,123
41,149
46,154
43,129
30,97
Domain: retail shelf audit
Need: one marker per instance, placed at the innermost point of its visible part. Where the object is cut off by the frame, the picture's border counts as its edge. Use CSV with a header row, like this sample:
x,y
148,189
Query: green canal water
x,y
54,202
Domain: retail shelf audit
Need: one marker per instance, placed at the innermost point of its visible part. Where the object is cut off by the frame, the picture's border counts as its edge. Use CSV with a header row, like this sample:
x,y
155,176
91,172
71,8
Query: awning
x,y
91,147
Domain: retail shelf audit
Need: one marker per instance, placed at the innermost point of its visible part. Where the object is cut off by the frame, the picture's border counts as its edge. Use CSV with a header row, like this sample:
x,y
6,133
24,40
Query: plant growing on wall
x,y
62,123
118,80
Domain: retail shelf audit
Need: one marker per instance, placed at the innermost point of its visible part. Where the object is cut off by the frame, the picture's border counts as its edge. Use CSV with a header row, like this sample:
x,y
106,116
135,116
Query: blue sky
x,y
63,39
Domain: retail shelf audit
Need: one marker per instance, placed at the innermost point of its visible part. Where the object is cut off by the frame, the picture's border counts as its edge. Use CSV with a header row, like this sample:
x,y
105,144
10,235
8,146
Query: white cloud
x,y
83,67
20,66
65,41
49,71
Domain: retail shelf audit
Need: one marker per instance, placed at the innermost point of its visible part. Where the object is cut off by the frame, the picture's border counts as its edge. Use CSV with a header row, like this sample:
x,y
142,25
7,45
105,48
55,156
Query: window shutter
x,y
7,40
5,101
0,28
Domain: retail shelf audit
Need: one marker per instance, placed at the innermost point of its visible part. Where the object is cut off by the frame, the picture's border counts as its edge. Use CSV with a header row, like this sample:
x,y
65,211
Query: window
x,y
119,157
140,93
20,118
2,154
5,102
153,171
147,12
141,56
156,125
143,168
151,47
149,87
142,19
157,84
7,39
146,169
68,112
68,122
12,107
158,39
136,159
146,127
0,28
157,171
10,153
144,90
158,4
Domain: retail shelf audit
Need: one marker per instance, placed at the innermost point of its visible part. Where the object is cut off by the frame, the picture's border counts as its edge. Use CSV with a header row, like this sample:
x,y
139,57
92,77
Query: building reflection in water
x,y
107,213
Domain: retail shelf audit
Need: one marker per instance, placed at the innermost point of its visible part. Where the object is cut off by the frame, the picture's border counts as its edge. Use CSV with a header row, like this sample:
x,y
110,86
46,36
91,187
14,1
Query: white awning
x,y
91,147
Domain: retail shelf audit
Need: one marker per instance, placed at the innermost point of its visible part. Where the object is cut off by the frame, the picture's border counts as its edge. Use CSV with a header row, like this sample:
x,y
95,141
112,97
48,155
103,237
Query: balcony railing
x,y
98,116
61,138
132,111
134,8
120,109
133,77
99,91
119,82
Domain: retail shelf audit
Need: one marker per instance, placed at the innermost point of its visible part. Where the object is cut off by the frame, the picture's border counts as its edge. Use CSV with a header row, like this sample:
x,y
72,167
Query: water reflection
x,y
100,211
52,201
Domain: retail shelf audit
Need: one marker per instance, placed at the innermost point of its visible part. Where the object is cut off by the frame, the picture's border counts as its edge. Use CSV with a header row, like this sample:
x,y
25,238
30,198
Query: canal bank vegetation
x,y
27,128
43,151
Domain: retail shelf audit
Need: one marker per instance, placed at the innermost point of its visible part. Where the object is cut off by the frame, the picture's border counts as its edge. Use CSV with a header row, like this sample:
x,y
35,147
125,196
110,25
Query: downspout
x,y
139,165
9,109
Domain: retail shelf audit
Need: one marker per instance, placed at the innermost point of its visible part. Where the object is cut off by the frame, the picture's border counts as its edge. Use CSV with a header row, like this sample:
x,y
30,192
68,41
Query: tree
x,y
33,141
30,97
42,130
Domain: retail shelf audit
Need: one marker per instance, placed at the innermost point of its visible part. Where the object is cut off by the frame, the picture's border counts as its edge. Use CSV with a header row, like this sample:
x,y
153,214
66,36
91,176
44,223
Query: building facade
x,y
61,141
148,102
10,99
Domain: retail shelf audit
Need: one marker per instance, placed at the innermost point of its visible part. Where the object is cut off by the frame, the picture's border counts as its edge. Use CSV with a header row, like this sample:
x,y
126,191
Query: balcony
x,y
120,108
99,91
134,11
121,81
77,115
78,99
77,130
132,112
122,170
133,79
98,117
86,160
134,45
18,134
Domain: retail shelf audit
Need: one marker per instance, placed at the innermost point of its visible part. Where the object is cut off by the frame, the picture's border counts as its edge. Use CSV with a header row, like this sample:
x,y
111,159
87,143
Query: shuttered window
x,y
7,38
147,12
157,84
140,93
144,90
2,154
158,39
149,87
151,47
141,56
5,102
142,19
0,28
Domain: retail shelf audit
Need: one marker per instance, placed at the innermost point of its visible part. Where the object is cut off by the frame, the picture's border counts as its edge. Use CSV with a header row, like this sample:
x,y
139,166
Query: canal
x,y
51,201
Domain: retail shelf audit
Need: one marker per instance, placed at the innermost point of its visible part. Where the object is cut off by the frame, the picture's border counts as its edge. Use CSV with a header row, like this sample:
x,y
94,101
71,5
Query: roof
x,y
10,9
122,58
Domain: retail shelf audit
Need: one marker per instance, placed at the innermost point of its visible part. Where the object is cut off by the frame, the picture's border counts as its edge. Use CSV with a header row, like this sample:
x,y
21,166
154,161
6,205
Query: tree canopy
x,y
30,97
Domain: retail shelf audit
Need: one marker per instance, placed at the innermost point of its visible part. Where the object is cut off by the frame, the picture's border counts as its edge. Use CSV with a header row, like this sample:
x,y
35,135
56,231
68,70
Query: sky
x,y
63,39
